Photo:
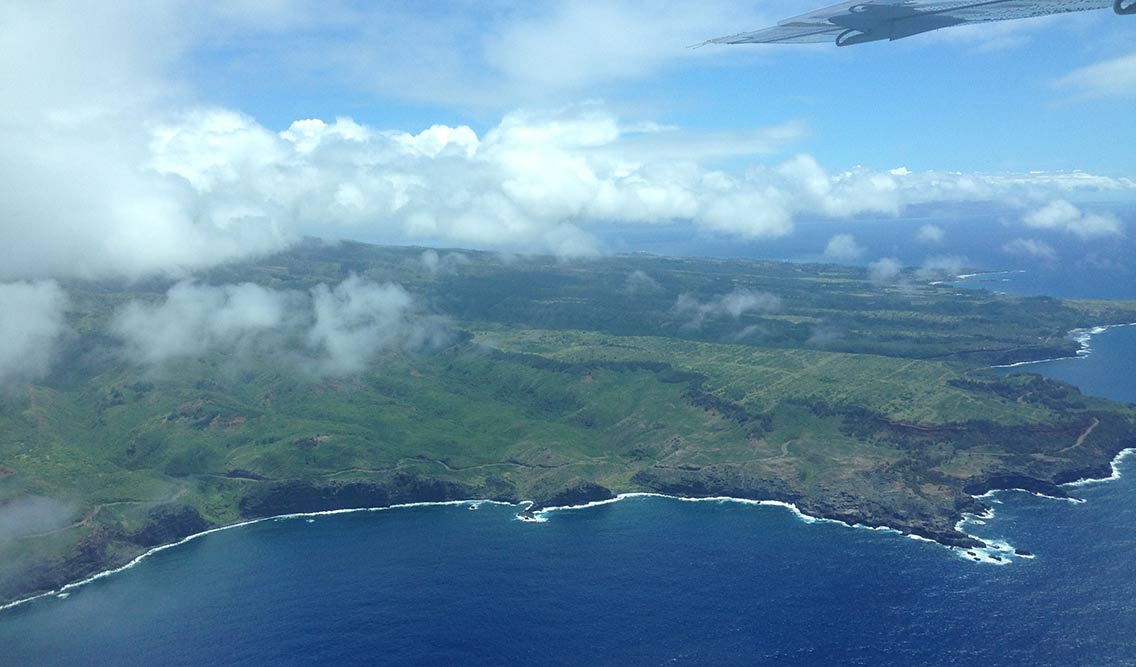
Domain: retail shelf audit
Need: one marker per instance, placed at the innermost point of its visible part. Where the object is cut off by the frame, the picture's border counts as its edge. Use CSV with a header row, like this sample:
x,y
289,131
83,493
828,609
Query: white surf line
x,y
539,516
981,519
65,590
992,493
1114,464
967,276
1028,363
997,551
1082,336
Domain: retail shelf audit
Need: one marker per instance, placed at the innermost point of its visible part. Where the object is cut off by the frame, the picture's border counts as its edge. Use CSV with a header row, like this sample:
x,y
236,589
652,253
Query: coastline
x,y
1114,464
991,551
1083,336
65,590
523,515
995,552
967,276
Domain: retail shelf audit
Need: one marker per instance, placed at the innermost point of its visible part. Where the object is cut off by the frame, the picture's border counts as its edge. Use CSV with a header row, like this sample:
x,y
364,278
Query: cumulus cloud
x,y
212,185
639,282
357,319
941,266
195,319
884,270
342,328
843,247
930,234
1030,248
538,181
1110,78
733,305
534,182
79,200
1063,216
110,172
448,264
31,324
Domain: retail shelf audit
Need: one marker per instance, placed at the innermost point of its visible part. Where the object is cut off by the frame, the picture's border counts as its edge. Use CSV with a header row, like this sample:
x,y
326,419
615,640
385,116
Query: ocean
x,y
642,581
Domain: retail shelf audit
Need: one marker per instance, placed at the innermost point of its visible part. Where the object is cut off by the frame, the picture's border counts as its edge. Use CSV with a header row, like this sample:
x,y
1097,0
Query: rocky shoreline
x,y
107,549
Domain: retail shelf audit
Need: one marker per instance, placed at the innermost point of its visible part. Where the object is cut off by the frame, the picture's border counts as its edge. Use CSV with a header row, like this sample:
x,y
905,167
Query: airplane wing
x,y
871,20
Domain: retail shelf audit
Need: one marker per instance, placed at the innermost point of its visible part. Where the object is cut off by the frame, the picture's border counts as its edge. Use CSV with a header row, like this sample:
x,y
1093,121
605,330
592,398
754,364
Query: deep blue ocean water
x,y
642,581
648,581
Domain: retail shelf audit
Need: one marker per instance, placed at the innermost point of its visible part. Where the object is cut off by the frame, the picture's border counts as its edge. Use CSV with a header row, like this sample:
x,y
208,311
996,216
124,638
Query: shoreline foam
x,y
998,548
966,276
992,496
64,591
1114,464
1083,337
996,552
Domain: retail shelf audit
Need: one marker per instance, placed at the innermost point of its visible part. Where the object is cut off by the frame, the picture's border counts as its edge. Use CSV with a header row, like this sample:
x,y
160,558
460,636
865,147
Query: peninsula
x,y
386,375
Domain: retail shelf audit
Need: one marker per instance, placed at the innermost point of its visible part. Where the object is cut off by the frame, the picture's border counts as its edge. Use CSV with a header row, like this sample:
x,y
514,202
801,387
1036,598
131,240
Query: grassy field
x,y
553,383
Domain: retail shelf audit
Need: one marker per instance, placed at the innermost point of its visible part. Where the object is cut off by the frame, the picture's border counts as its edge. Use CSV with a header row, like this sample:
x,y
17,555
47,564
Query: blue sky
x,y
169,137
990,97
159,139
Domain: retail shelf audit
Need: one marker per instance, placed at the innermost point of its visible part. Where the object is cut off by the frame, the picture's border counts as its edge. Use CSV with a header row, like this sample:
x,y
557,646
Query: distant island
x,y
348,375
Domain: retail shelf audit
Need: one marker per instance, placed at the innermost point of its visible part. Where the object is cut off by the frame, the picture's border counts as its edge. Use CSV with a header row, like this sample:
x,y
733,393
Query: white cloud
x,y
884,270
357,319
1110,78
639,282
577,45
31,324
110,171
80,89
24,515
211,185
477,54
941,266
734,304
1030,248
445,265
1063,216
843,247
342,328
194,319
538,181
534,182
930,234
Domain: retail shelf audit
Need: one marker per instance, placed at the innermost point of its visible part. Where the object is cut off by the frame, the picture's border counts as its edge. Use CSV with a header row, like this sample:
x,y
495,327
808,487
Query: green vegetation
x,y
558,383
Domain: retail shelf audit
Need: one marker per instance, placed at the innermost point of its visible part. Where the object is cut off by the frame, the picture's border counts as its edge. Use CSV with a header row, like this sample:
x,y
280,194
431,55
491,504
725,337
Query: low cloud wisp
x,y
732,305
843,247
329,331
31,326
